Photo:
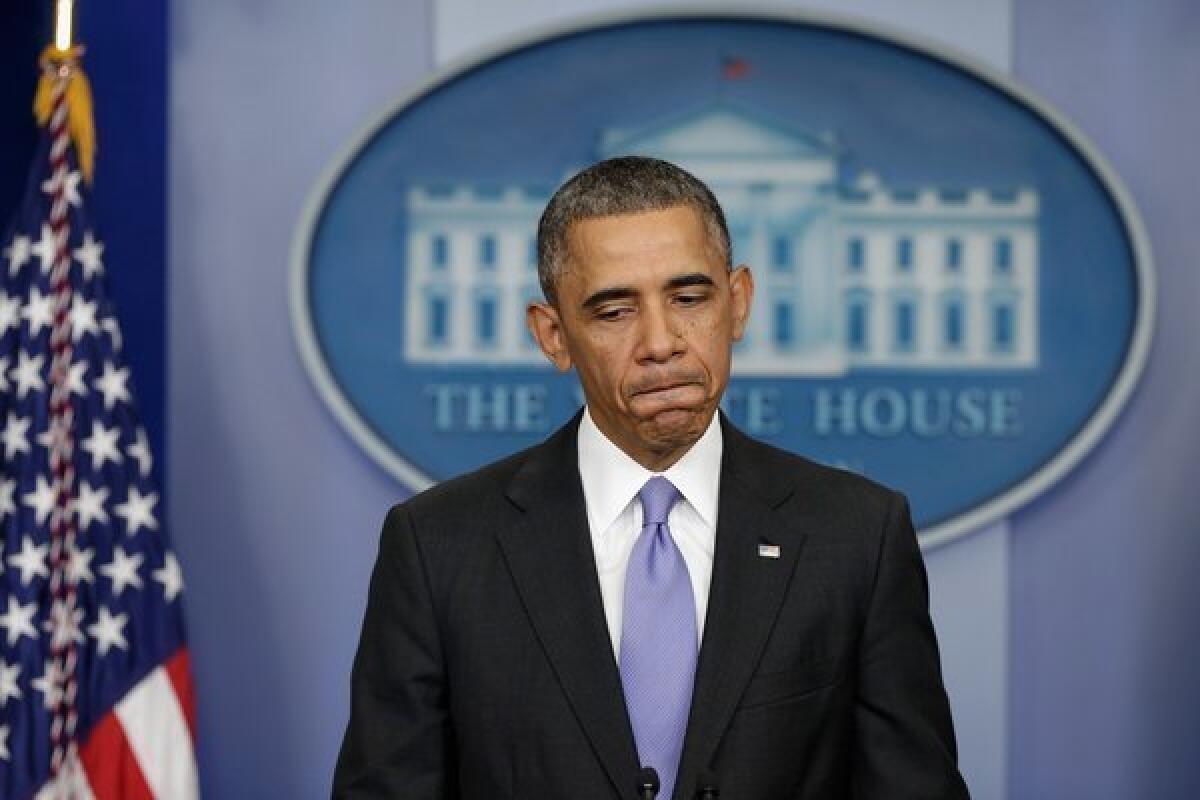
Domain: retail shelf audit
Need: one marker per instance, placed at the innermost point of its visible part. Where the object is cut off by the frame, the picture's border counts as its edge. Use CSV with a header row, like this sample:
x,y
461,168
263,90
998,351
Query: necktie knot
x,y
657,496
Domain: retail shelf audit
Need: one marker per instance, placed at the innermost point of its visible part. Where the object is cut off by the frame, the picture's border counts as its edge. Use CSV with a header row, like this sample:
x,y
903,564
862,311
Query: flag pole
x,y
62,24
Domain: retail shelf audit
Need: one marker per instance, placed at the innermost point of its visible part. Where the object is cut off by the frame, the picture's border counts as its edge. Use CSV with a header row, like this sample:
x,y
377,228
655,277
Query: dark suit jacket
x,y
485,669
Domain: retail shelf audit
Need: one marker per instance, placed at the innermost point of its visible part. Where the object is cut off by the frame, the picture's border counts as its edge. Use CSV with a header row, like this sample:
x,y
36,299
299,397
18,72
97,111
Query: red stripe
x,y
111,766
179,670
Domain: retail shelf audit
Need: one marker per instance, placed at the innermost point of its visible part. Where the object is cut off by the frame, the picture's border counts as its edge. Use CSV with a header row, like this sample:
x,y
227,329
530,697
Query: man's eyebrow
x,y
691,279
605,295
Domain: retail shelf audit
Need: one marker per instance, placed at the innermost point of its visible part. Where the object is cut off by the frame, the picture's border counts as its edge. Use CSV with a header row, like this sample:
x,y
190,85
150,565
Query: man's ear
x,y
546,326
741,290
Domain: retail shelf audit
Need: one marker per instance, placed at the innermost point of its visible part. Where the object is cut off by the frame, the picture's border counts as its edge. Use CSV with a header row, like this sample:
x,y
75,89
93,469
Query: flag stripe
x,y
158,734
111,766
179,670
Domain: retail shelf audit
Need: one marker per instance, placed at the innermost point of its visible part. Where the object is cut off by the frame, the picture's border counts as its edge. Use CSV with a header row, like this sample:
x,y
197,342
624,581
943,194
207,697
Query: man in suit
x,y
649,587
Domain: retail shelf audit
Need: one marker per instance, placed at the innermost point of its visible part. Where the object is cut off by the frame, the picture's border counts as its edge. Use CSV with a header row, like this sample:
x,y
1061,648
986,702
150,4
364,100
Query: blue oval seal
x,y
954,292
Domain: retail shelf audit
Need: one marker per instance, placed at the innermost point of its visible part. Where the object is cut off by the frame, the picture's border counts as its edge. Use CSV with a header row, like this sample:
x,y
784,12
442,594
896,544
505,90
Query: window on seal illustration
x,y
437,319
954,255
1003,324
904,324
904,254
1002,255
781,254
487,251
783,325
858,321
856,254
439,251
487,309
954,316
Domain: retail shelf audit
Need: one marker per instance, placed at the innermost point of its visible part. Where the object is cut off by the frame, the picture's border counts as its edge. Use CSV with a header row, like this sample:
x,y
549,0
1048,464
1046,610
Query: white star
x,y
41,499
15,436
65,624
7,506
75,382
28,373
4,754
89,505
18,620
89,254
109,630
39,311
8,682
17,253
113,330
4,374
31,561
44,249
10,312
70,186
50,684
123,570
83,318
139,451
170,576
52,435
138,511
101,445
79,565
111,384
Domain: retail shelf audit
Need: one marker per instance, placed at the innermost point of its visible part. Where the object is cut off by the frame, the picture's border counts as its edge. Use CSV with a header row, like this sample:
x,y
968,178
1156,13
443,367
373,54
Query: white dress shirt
x,y
611,482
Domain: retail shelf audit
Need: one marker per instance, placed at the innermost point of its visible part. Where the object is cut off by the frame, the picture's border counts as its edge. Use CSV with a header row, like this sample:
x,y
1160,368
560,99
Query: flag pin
x,y
768,551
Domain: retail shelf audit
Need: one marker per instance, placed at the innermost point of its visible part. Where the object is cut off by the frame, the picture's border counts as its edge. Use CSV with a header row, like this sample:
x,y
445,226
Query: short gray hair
x,y
624,185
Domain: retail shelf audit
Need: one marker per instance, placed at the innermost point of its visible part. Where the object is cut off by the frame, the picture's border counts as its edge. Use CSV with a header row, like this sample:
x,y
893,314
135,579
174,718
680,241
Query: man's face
x,y
647,313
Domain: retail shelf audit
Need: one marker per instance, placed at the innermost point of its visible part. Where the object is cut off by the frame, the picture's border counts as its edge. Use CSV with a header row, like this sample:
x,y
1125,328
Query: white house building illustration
x,y
848,274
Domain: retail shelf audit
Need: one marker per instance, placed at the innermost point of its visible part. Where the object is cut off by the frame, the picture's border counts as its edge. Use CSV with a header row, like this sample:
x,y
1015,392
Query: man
x,y
649,587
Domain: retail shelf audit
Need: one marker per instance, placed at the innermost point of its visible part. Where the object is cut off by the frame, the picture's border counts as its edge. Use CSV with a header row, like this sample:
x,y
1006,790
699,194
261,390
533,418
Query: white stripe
x,y
159,737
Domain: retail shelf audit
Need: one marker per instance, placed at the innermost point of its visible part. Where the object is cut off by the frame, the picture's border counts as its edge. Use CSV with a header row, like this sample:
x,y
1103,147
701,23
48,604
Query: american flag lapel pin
x,y
768,551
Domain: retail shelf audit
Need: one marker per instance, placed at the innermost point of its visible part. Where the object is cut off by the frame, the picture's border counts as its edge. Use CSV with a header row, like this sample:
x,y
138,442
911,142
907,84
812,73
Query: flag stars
x,y
4,754
39,311
65,624
170,576
138,511
123,570
89,255
27,374
15,436
139,451
10,312
69,180
7,506
17,621
82,317
31,561
89,505
41,499
109,631
18,253
75,382
101,445
45,247
79,565
50,684
8,682
112,384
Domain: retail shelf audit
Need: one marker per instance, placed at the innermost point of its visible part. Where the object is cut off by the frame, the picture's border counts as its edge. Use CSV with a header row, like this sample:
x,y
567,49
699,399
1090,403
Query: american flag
x,y
95,687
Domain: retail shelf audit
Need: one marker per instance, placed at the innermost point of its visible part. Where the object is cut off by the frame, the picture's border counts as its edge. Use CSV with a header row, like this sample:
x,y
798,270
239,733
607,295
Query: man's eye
x,y
613,313
690,299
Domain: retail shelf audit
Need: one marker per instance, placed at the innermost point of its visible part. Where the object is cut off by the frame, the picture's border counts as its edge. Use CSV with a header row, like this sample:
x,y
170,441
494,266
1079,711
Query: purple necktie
x,y
658,638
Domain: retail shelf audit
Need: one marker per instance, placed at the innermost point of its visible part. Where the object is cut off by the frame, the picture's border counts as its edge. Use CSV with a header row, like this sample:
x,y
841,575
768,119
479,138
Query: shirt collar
x,y
611,479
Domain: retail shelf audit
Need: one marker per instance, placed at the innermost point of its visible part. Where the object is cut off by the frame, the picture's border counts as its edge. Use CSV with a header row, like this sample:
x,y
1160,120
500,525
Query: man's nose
x,y
660,339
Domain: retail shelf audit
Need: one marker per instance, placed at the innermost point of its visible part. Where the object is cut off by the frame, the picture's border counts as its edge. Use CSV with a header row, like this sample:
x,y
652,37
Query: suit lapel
x,y
554,569
745,596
